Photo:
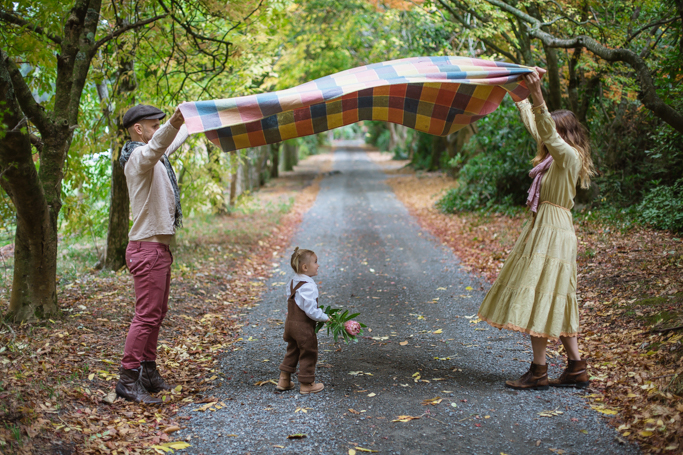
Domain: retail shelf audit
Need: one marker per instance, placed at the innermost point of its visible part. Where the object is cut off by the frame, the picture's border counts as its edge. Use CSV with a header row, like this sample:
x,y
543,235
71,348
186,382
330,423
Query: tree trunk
x,y
275,160
119,216
289,155
439,144
34,285
554,99
119,202
234,169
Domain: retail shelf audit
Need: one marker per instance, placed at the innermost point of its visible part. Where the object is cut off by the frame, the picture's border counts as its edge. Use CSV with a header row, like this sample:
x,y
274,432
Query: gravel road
x,y
425,343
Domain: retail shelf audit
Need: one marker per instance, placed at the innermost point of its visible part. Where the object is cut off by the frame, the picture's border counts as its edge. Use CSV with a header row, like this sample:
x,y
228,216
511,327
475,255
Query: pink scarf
x,y
537,174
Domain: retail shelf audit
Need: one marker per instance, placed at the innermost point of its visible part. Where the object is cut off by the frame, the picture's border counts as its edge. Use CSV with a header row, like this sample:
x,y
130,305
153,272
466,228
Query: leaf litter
x,y
57,377
630,294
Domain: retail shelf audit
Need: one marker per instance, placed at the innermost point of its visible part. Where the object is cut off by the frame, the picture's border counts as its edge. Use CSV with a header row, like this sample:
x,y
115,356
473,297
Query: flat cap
x,y
141,112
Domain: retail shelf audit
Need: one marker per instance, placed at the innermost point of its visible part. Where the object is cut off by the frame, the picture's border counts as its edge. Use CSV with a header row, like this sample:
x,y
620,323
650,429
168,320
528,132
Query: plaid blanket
x,y
435,95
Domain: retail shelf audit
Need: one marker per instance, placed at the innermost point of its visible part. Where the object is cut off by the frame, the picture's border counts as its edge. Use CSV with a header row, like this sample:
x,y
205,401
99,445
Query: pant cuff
x,y
287,369
306,379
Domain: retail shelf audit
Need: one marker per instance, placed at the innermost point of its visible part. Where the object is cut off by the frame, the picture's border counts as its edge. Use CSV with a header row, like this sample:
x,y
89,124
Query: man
x,y
155,203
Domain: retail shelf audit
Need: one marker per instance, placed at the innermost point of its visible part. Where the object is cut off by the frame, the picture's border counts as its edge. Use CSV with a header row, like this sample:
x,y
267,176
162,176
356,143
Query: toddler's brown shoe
x,y
285,382
313,387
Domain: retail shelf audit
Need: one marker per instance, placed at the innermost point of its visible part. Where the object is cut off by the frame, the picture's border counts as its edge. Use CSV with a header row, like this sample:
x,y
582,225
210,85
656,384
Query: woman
x,y
535,292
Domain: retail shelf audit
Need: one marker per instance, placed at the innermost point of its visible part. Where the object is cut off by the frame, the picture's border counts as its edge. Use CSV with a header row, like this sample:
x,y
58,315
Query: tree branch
x,y
488,42
28,104
12,19
125,28
648,94
650,25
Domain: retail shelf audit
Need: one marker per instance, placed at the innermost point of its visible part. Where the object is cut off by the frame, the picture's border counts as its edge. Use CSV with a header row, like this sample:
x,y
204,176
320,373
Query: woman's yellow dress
x,y
535,292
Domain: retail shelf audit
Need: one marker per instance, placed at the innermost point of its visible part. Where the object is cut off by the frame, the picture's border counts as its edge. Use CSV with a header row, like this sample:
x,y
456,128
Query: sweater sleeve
x,y
144,158
309,293
563,154
524,107
180,138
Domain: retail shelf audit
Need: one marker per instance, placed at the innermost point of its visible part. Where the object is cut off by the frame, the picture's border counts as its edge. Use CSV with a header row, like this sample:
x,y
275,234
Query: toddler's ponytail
x,y
298,257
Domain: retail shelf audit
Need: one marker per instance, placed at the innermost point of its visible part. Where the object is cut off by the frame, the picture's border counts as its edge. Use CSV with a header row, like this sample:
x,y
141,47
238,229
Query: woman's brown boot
x,y
536,378
285,381
575,375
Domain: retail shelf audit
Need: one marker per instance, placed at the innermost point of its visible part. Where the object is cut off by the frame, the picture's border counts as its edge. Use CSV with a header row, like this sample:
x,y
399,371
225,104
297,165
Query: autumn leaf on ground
x,y
169,447
268,381
404,418
550,413
363,449
605,410
296,436
433,401
206,406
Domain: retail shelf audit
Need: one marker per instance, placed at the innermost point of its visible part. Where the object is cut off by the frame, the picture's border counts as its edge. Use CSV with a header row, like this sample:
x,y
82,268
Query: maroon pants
x,y
150,265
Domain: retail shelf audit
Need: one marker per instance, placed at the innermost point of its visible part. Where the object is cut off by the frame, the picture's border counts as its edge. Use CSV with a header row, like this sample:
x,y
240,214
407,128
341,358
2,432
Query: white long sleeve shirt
x,y
305,297
151,195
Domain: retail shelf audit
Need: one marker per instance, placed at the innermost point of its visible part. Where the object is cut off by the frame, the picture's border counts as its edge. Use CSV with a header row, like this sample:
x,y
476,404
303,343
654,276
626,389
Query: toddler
x,y
302,314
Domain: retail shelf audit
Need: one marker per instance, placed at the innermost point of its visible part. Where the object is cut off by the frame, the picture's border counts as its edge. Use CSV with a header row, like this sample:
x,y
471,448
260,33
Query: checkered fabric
x,y
435,95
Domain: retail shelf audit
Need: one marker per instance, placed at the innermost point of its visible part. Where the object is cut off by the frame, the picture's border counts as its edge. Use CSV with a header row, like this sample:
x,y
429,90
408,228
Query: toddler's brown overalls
x,y
302,343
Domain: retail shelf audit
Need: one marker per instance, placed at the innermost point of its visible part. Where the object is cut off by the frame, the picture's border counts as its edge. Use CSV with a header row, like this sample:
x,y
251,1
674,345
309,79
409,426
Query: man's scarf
x,y
537,174
126,151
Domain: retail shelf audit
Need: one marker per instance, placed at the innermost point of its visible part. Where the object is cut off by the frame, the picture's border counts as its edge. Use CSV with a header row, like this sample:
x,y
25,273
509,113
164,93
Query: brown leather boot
x,y
313,387
285,381
575,375
151,379
536,378
130,387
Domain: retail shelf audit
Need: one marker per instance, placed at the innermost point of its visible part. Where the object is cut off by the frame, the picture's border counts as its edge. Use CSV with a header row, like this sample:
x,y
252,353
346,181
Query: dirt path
x,y
426,343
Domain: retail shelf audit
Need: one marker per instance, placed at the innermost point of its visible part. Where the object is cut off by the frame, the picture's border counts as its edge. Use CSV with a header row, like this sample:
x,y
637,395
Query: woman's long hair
x,y
576,135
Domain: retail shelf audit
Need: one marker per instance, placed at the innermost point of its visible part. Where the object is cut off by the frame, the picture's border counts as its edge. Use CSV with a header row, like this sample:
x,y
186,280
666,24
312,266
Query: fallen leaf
x,y
110,397
296,436
206,406
371,394
433,401
605,410
171,429
406,418
438,331
403,343
362,449
550,413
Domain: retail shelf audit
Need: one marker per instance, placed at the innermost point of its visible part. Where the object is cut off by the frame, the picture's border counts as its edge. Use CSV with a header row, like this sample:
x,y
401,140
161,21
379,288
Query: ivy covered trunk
x,y
119,214
35,241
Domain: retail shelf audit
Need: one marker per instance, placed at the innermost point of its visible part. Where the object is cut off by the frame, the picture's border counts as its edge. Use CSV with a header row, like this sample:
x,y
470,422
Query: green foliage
x,y
497,163
336,324
632,148
662,207
322,37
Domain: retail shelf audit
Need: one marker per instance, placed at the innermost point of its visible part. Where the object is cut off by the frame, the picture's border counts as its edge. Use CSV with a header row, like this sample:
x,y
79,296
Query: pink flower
x,y
352,328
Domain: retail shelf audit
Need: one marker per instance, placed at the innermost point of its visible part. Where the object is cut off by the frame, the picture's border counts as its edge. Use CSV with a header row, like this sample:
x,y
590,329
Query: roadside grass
x,y
630,295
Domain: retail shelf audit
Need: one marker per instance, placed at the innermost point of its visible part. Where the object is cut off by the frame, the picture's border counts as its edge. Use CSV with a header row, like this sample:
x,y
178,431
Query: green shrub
x,y
662,207
495,177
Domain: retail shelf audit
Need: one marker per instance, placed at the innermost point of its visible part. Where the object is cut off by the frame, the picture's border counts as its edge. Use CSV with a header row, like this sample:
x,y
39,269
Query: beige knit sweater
x,y
149,188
